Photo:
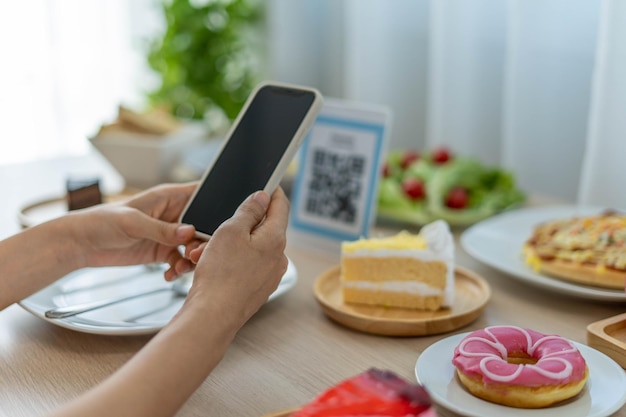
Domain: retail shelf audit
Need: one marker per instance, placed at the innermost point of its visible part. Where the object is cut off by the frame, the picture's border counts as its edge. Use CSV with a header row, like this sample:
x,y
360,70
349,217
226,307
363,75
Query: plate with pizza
x,y
576,250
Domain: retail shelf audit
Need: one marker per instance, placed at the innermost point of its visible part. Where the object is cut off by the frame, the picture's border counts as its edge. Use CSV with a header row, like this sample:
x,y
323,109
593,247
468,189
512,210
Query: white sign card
x,y
335,190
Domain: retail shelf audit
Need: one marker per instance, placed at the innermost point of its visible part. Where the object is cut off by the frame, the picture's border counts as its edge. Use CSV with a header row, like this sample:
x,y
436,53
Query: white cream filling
x,y
410,287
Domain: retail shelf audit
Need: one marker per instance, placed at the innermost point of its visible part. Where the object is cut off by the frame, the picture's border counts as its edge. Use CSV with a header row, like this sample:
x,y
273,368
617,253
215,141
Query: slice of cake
x,y
372,393
405,270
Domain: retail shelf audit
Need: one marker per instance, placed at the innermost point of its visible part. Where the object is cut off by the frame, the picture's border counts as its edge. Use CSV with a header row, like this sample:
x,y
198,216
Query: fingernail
x,y
262,197
182,231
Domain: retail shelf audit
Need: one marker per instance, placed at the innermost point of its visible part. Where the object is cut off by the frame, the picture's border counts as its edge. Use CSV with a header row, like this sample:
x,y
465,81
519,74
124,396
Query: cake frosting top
x,y
434,238
401,241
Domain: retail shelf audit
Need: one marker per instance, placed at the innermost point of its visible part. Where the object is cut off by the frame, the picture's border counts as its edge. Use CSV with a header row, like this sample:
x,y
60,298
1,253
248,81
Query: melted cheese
x,y
596,240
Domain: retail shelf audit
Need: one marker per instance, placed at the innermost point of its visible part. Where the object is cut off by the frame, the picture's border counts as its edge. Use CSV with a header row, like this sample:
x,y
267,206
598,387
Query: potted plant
x,y
209,58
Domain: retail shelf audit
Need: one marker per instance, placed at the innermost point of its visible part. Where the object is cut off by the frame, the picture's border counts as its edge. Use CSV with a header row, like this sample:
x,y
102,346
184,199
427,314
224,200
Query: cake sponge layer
x,y
405,270
391,298
431,273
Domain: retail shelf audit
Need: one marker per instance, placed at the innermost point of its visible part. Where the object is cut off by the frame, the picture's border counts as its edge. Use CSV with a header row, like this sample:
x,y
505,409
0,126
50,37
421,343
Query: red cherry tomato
x,y
408,158
441,155
386,170
414,188
457,198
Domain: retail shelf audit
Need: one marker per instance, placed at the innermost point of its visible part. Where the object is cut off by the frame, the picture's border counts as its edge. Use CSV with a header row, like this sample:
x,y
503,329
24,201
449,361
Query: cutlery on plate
x,y
179,287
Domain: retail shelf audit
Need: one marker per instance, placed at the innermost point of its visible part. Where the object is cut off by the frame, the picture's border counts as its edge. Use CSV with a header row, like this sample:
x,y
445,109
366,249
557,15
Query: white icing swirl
x,y
559,357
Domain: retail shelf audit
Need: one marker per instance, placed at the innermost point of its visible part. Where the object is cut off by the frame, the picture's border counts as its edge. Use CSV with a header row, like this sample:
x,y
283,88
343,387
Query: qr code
x,y
335,186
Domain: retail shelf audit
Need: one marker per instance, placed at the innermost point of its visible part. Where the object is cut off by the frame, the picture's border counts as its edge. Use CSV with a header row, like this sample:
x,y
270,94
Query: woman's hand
x,y
244,261
237,270
141,230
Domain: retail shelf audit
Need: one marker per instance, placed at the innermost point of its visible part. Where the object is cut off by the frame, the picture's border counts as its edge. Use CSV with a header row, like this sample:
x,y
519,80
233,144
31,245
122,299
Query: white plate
x,y
143,315
498,243
604,393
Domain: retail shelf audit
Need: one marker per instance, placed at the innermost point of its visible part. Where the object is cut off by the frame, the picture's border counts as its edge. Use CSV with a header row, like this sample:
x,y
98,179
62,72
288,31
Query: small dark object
x,y
82,193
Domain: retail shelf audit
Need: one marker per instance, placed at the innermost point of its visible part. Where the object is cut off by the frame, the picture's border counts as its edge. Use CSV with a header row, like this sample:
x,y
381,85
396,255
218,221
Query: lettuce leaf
x,y
490,189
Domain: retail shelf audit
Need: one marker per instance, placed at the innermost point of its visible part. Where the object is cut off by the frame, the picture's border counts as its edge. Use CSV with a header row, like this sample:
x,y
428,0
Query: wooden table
x,y
285,355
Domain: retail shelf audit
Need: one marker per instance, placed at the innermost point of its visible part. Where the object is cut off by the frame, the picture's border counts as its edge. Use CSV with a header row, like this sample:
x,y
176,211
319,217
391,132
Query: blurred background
x,y
535,86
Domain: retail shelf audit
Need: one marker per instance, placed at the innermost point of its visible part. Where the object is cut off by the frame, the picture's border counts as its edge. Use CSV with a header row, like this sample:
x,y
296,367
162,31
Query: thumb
x,y
171,234
252,211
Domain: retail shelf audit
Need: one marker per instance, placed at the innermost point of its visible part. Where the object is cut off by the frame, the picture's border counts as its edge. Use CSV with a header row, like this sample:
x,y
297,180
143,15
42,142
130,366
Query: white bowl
x,y
145,160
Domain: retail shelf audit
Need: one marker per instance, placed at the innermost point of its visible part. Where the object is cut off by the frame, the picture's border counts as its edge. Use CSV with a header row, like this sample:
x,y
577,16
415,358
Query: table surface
x,y
287,353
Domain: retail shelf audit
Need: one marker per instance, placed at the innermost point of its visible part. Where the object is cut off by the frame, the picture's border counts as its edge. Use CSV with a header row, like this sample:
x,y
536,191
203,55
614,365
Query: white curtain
x,y
604,168
536,86
65,67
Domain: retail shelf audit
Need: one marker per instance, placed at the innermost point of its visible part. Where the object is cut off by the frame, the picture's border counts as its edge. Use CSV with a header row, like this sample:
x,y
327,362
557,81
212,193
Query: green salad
x,y
422,187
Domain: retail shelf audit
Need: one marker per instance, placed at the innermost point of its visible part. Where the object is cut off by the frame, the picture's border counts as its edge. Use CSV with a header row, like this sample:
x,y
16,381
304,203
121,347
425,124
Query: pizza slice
x,y
587,249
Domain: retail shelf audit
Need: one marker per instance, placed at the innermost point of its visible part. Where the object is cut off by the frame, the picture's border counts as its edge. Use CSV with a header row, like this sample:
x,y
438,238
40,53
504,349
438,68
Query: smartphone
x,y
260,145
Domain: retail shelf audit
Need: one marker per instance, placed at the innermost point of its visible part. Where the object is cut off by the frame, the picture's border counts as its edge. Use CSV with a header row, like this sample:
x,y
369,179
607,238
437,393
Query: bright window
x,y
67,65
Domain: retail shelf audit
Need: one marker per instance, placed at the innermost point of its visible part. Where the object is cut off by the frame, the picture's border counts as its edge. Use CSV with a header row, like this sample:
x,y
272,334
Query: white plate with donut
x,y
498,242
604,393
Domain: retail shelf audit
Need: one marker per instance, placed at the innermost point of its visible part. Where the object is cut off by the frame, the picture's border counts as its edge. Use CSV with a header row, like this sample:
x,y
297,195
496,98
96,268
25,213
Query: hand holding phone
x,y
262,141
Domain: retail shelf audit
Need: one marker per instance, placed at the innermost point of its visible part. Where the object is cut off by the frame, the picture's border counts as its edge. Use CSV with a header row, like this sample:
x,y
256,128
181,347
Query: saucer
x,y
471,296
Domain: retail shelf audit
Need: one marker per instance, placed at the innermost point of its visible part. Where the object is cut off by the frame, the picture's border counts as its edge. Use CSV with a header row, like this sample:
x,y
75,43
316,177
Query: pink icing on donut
x,y
484,354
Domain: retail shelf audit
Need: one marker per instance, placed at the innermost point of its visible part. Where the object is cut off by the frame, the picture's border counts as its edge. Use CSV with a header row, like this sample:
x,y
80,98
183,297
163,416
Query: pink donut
x,y
519,367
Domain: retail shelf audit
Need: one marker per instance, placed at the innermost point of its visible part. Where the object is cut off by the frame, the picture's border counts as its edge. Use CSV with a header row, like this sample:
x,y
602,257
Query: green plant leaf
x,y
209,56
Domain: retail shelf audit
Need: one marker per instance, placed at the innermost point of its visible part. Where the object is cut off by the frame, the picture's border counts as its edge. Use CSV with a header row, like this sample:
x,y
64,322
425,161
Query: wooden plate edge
x,y
366,322
599,339
283,413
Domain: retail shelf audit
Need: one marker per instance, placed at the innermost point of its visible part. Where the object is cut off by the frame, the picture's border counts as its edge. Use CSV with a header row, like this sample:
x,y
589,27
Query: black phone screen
x,y
250,156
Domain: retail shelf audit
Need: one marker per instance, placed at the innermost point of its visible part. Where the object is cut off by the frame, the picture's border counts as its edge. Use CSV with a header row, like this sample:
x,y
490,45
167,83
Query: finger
x,y
277,216
178,265
182,266
166,233
174,196
194,255
252,211
176,271
170,274
193,245
172,258
179,198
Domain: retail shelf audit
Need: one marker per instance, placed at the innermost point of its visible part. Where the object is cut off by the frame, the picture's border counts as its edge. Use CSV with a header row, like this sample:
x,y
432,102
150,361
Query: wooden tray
x,y
472,294
47,209
609,337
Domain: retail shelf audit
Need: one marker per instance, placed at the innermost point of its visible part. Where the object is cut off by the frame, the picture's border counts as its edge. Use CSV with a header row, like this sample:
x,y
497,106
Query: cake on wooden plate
x,y
405,270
